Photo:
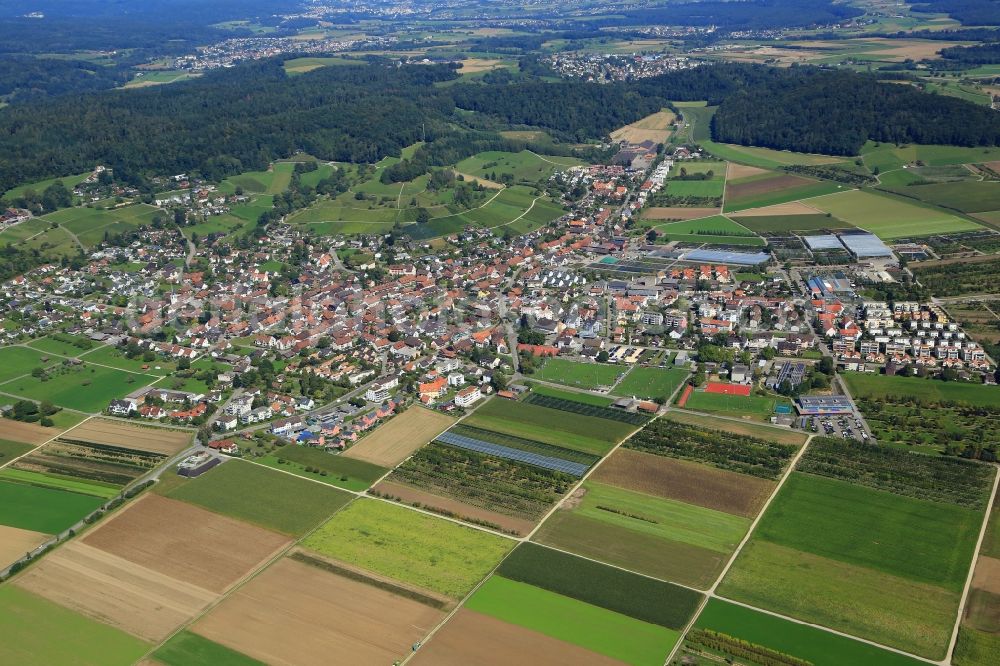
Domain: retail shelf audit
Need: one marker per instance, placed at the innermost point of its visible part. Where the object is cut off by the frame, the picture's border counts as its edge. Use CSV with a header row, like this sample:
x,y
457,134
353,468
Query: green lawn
x,y
63,344
603,631
108,355
590,434
871,385
40,509
822,648
890,217
262,496
927,542
412,547
344,472
41,632
578,374
651,382
87,388
188,649
17,361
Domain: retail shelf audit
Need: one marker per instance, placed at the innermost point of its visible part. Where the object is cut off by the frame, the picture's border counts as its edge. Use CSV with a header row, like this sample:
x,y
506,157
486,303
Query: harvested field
x,y
476,65
791,208
689,482
735,171
29,433
764,185
125,595
294,613
678,213
393,442
655,128
474,638
115,433
987,576
15,542
760,431
186,542
450,506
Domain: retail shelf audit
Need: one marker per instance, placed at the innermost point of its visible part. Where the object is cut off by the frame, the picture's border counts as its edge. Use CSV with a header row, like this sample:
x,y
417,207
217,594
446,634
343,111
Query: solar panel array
x,y
726,257
824,242
545,462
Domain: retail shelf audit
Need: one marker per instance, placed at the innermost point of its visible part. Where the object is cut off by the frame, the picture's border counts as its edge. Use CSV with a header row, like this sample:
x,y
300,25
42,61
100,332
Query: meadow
x,y
767,158
822,648
18,361
866,385
551,426
189,649
86,388
651,383
108,355
262,496
47,510
889,156
778,224
35,621
63,344
10,450
409,546
91,224
318,465
592,627
890,217
523,166
578,374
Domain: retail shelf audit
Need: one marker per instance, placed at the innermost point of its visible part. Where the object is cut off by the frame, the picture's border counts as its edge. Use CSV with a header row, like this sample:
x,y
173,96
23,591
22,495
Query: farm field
x,y
506,494
590,627
317,465
82,641
396,440
765,158
189,649
58,482
890,217
716,225
303,65
97,468
14,543
750,429
90,224
262,496
968,196
590,434
294,613
69,181
677,213
773,189
659,537
700,485
651,383
163,441
408,546
959,278
654,127
888,156
815,645
574,396
10,450
85,388
185,542
591,406
45,510
870,385
29,433
273,181
578,374
17,361
787,223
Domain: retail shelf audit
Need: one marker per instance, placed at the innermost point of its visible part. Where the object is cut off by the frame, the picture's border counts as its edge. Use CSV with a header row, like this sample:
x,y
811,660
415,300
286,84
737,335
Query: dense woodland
x,y
969,12
24,78
980,54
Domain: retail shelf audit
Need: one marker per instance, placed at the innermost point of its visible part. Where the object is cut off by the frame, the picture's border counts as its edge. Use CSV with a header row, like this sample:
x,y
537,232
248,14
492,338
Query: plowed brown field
x,y
29,433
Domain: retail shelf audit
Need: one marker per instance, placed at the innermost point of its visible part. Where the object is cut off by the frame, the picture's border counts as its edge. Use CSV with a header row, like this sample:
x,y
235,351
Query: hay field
x,y
297,614
116,433
678,213
125,595
476,65
29,433
186,542
15,542
654,127
393,442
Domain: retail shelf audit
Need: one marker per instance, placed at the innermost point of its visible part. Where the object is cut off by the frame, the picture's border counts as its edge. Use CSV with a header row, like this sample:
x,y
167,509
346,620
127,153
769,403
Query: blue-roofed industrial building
x,y
727,257
865,245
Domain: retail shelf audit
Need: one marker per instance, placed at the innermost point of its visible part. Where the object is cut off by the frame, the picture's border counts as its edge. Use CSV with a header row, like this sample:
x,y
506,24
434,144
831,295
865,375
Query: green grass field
x,y
927,542
108,355
409,546
585,398
968,197
578,374
87,388
695,188
69,181
755,406
523,165
597,629
57,482
551,426
47,633
10,450
975,648
91,224
651,382
888,156
805,191
40,509
344,472
788,223
296,66
64,347
717,225
17,361
651,535
262,496
815,645
188,649
871,385
890,217
765,158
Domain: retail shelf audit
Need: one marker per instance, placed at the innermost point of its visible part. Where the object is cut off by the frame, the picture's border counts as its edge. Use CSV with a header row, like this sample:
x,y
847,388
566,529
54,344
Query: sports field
x,y
262,496
890,217
753,406
815,645
87,388
651,383
46,510
34,622
592,627
409,546
579,374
